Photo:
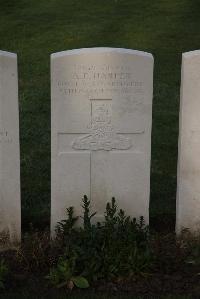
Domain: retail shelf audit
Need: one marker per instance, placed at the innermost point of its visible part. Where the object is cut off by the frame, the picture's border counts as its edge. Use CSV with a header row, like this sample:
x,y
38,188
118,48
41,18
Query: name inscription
x,y
99,80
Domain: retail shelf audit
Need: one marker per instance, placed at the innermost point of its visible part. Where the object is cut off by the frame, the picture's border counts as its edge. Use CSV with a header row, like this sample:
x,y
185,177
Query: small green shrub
x,y
62,275
117,247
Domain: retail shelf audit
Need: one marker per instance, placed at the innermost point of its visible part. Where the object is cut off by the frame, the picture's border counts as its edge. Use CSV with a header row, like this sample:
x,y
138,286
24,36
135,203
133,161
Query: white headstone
x,y
188,181
101,130
10,207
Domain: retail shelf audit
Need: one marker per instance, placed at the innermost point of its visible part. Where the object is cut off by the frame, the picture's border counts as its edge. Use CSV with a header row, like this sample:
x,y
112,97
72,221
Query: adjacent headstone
x,y
188,181
10,207
101,130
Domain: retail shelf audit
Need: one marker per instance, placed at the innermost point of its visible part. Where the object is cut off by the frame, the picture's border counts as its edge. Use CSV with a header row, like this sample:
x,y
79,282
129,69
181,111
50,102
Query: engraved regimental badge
x,y
102,135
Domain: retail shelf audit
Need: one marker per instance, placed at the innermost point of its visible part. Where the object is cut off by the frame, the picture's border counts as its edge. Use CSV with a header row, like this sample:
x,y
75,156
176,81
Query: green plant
x,y
86,213
65,228
119,246
3,273
63,275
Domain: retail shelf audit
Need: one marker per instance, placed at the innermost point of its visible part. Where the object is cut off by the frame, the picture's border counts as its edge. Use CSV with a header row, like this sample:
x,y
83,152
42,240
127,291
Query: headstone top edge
x,y
100,50
191,54
8,54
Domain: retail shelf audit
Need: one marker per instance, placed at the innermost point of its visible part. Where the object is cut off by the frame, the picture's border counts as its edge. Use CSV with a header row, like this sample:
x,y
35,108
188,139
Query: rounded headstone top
x,y
191,54
100,50
9,54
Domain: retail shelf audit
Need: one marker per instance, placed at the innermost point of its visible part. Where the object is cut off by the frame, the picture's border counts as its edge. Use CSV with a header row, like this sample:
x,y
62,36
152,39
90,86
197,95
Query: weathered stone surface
x,y
188,181
10,206
101,130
